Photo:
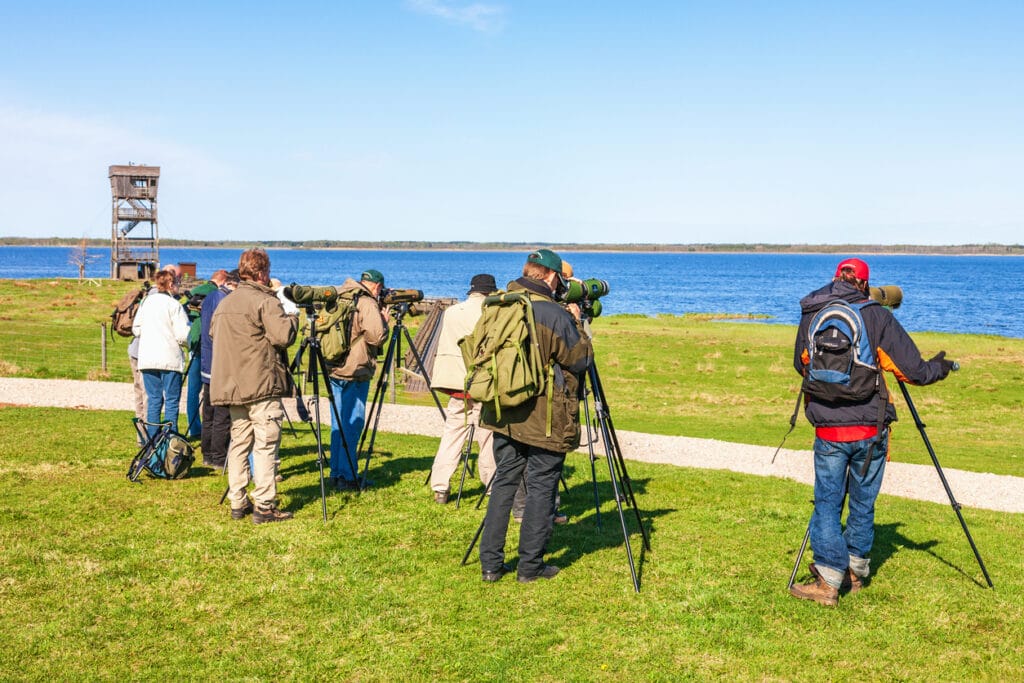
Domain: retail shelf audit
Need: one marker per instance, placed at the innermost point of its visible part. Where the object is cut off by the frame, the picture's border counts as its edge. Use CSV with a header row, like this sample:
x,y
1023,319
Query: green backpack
x,y
504,367
334,326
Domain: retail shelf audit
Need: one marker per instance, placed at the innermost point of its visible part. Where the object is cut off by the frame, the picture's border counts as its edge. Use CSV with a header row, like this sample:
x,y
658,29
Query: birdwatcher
x,y
534,436
449,377
350,380
251,333
851,421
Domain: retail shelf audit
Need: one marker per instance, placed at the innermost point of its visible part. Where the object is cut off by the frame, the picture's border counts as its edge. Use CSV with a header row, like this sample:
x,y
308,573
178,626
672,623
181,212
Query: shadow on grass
x,y
889,541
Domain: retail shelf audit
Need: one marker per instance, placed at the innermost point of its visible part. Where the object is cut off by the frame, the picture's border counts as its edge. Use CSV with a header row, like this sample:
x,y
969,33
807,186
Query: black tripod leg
x,y
467,449
591,431
423,368
945,484
377,404
472,544
800,556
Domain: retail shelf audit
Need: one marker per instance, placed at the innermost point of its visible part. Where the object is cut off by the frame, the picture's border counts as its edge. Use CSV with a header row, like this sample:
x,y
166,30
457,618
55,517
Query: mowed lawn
x,y
103,579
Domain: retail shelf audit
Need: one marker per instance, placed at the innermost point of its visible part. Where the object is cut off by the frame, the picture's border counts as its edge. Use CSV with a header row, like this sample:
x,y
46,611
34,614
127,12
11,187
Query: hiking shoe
x,y
851,582
278,478
441,497
816,590
272,514
491,577
240,513
548,571
345,484
561,518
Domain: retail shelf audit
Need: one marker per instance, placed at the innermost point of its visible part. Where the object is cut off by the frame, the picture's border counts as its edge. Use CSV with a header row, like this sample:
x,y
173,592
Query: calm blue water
x,y
976,294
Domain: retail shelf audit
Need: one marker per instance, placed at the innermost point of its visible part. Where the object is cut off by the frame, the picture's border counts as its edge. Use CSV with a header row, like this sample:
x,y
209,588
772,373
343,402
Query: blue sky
x,y
555,121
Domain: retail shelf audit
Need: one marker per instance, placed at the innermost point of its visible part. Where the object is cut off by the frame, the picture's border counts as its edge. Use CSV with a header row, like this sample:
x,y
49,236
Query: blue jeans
x,y
350,397
837,471
163,392
195,387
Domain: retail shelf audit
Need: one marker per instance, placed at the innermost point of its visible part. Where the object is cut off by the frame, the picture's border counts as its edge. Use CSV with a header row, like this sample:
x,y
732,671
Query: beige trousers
x,y
256,428
458,418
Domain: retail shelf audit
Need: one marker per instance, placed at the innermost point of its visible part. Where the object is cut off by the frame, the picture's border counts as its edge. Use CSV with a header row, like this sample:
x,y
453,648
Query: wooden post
x,y
103,347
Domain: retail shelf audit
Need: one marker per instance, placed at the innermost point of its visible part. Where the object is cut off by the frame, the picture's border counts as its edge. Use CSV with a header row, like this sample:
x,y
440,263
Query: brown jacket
x,y
369,330
250,333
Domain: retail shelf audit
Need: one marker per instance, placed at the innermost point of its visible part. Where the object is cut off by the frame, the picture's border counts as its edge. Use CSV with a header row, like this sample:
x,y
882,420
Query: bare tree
x,y
79,256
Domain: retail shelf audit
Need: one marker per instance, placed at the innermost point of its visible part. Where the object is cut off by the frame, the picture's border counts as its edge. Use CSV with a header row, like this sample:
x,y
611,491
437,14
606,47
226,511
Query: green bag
x,y
334,326
503,362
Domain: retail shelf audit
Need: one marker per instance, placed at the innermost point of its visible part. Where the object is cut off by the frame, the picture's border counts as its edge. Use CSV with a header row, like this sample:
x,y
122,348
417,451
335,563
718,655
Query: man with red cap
x,y
850,450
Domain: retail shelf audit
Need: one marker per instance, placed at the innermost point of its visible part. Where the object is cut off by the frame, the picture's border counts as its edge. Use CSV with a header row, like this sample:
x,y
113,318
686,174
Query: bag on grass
x,y
165,455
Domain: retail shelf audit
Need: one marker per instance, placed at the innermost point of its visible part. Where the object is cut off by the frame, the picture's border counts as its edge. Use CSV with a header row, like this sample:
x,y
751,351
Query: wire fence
x,y
63,350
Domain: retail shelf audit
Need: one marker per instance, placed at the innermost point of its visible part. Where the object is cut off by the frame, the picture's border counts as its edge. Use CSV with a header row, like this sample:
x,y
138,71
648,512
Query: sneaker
x,y
816,590
240,513
441,497
547,571
261,515
561,518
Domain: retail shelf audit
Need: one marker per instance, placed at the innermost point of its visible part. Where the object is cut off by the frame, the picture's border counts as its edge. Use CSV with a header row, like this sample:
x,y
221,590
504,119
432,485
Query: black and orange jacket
x,y
895,352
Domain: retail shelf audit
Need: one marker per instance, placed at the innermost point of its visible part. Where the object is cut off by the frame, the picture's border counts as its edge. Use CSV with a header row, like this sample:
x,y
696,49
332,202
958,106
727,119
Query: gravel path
x,y
919,482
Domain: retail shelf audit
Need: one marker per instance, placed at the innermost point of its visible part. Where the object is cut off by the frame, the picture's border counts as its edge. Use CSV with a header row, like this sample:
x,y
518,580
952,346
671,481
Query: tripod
x,y
622,487
945,484
394,350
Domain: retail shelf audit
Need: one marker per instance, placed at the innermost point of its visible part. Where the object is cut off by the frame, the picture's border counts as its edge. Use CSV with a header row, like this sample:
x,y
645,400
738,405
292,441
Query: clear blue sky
x,y
890,122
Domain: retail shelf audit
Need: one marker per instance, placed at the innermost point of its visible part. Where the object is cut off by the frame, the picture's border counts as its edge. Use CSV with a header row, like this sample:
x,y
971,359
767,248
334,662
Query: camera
x,y
587,294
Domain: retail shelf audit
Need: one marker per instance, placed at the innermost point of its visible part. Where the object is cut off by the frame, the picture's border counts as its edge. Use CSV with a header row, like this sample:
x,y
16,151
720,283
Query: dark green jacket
x,y
561,342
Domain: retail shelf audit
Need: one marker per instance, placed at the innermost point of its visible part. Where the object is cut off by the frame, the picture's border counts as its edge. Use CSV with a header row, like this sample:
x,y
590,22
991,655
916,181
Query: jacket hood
x,y
837,289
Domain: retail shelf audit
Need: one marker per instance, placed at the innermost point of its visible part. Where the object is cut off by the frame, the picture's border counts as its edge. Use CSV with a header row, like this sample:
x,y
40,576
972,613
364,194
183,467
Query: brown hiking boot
x,y
240,513
816,590
851,582
261,515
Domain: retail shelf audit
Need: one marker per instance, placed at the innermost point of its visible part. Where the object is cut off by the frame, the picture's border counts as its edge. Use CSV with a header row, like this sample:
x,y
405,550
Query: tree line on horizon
x,y
988,249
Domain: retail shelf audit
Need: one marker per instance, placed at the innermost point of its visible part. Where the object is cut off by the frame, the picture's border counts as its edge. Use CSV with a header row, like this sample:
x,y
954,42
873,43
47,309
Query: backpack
x,y
842,365
166,455
841,361
504,367
334,326
123,316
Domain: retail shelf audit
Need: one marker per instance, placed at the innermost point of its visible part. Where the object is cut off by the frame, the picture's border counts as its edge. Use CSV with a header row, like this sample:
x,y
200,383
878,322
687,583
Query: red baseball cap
x,y
860,269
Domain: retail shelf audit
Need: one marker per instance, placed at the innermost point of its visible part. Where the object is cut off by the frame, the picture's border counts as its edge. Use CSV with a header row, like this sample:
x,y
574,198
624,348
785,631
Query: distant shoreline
x,y
753,248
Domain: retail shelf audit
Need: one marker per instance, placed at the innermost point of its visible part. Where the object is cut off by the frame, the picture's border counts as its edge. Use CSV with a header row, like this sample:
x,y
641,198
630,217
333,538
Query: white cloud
x,y
477,16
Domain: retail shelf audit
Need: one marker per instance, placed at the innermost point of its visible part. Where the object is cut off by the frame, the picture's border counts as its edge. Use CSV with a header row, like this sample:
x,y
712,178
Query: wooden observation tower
x,y
134,235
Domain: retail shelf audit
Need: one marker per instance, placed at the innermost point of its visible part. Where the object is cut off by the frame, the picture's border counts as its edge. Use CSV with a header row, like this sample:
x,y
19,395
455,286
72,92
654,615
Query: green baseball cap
x,y
546,258
372,275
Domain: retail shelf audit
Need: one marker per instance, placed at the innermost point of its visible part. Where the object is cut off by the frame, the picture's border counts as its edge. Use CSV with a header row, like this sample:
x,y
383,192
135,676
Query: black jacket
x,y
895,352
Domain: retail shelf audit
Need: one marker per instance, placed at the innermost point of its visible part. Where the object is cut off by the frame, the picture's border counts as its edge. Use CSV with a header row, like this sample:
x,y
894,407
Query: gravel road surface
x,y
919,482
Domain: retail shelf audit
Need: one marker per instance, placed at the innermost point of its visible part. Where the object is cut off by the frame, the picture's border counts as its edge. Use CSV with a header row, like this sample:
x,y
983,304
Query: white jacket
x,y
162,328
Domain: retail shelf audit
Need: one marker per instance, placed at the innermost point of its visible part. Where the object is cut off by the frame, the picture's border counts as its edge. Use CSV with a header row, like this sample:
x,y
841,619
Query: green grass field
x,y
107,580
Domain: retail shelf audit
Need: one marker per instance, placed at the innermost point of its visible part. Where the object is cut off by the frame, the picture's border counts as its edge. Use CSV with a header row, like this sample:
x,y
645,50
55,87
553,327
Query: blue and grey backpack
x,y
841,359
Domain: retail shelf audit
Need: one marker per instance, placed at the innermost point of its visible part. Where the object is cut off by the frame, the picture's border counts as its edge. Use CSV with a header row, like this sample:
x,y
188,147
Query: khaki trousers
x,y
255,428
458,418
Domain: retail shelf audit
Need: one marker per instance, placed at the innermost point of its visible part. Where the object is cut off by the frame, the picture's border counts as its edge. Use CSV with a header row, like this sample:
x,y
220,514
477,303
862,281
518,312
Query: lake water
x,y
975,294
